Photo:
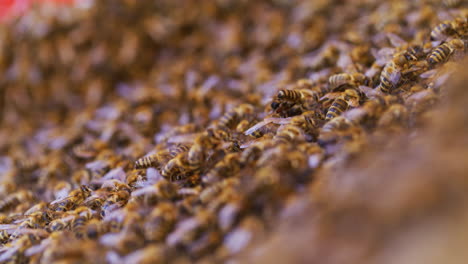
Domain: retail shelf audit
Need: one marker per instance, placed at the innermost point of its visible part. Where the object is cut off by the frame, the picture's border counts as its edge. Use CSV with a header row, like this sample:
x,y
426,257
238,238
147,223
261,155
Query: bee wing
x,y
395,77
37,248
8,253
330,96
266,121
383,55
368,91
428,74
344,61
7,226
395,40
186,138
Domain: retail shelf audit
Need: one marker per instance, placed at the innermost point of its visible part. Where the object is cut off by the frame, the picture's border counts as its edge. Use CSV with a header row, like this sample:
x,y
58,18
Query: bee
x,y
243,126
75,198
443,51
95,228
232,117
460,25
254,151
336,124
326,58
338,80
207,242
215,189
59,224
396,114
160,222
4,236
442,31
77,225
81,177
288,134
190,229
411,54
229,165
177,168
197,154
451,3
14,199
290,95
33,220
84,151
161,190
179,148
153,160
350,97
116,200
242,236
389,77
309,122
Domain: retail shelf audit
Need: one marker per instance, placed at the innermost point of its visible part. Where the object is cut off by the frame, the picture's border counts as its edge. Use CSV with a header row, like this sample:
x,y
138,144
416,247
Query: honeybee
x,y
254,151
116,200
95,228
229,165
161,190
235,115
190,229
33,220
341,102
15,253
207,242
153,160
389,78
59,224
396,114
215,189
77,225
81,177
84,151
327,57
177,168
442,31
75,198
14,199
336,81
336,124
160,222
443,51
288,134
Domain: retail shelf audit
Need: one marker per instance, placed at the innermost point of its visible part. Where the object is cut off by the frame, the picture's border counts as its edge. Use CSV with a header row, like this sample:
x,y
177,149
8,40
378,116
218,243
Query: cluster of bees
x,y
141,132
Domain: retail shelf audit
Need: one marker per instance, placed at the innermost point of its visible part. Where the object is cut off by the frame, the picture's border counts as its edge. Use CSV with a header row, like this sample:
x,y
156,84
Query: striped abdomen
x,y
338,107
146,162
440,54
292,95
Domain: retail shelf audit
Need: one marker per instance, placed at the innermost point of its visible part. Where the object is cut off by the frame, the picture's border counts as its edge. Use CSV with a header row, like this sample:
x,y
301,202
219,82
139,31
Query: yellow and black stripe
x,y
440,54
339,106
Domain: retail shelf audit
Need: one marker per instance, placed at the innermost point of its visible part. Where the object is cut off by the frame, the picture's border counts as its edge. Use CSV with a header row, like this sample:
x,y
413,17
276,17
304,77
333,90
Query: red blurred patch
x,y
13,8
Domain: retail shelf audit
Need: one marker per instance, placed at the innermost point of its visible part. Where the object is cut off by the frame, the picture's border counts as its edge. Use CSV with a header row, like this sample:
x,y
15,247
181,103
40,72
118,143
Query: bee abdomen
x,y
440,54
289,95
146,162
338,107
